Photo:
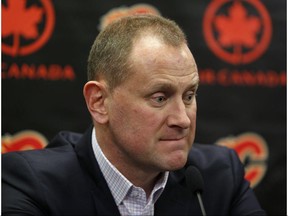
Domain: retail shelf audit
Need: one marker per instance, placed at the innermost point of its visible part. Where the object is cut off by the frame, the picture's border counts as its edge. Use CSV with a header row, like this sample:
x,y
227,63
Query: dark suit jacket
x,y
65,179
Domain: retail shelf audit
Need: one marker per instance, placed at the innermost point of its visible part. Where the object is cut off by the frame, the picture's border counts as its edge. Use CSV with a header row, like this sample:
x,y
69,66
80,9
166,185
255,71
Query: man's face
x,y
152,115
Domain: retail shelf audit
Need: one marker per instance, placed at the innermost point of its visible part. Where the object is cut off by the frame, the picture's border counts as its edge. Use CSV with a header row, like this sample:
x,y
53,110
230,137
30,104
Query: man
x,y
141,95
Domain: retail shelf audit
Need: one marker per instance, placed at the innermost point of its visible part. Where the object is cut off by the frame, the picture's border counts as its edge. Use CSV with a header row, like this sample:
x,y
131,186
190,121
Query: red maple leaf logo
x,y
20,21
238,28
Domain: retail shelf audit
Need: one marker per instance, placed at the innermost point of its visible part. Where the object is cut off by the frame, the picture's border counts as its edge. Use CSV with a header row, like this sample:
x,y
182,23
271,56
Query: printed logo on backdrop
x,y
27,26
123,11
239,33
25,29
252,151
24,140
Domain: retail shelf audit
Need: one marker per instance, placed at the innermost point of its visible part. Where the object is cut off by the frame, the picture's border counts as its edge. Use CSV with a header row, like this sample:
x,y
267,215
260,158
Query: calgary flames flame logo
x,y
253,152
24,140
117,13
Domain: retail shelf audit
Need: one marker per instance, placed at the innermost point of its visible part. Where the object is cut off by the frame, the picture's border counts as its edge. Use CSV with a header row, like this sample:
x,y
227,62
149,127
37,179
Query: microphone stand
x,y
201,203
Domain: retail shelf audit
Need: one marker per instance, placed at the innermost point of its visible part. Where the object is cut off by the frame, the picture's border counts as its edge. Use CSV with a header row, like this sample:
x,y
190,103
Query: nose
x,y
178,116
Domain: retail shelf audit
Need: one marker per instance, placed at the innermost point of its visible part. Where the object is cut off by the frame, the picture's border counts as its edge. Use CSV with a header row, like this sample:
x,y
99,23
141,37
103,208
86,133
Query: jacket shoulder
x,y
207,155
52,154
47,179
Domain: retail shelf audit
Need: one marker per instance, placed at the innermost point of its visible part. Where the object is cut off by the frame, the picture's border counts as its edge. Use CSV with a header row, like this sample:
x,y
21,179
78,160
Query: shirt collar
x,y
118,183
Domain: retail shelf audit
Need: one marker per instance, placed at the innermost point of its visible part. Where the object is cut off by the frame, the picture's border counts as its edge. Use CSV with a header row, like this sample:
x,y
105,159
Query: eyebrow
x,y
164,86
161,87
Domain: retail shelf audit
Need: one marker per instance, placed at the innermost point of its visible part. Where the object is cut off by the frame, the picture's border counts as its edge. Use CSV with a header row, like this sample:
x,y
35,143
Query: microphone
x,y
195,184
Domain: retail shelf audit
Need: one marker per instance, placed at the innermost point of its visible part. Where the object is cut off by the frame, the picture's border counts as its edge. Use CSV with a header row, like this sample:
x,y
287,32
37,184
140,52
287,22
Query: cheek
x,y
192,112
147,131
136,130
136,120
145,121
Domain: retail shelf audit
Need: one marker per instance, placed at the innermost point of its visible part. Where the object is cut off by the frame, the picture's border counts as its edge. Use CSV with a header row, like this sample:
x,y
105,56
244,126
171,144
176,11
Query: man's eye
x,y
189,97
160,99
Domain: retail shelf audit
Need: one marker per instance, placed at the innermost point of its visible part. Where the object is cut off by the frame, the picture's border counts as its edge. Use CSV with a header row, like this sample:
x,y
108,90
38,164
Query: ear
x,y
95,94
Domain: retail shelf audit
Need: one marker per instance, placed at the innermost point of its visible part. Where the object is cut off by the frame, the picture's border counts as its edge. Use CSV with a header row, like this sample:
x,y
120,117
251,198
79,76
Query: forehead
x,y
152,59
150,51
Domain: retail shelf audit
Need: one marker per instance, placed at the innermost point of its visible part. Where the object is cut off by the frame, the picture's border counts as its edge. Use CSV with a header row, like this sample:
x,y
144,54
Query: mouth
x,y
172,138
178,142
174,144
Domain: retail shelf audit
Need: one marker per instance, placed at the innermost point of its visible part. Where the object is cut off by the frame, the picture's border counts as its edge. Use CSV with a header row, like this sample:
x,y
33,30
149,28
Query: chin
x,y
176,163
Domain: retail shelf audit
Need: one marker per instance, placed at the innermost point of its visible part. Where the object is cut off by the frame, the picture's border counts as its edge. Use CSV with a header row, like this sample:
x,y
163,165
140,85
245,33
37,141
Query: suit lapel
x,y
103,199
176,199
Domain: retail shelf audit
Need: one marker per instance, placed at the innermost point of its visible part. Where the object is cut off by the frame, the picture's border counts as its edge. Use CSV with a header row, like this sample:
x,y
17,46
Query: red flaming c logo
x,y
252,151
24,140
117,13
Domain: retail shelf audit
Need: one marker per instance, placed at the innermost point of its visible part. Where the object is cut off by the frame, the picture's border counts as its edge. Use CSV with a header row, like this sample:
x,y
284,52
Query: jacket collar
x,y
104,201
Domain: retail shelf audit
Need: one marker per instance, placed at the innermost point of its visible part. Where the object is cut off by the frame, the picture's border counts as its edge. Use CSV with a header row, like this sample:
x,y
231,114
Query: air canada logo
x,y
252,151
237,31
117,13
24,140
26,26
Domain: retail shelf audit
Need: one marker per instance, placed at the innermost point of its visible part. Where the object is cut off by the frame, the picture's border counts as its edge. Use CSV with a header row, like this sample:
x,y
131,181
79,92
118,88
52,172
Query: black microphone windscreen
x,y
194,179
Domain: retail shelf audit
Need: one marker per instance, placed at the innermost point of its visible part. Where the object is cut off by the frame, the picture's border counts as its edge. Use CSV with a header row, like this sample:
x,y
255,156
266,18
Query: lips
x,y
174,144
172,138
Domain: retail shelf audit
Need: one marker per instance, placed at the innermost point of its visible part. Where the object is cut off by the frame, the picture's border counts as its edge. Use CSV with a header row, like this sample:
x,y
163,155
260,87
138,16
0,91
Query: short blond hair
x,y
109,55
